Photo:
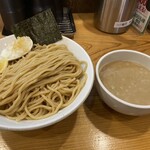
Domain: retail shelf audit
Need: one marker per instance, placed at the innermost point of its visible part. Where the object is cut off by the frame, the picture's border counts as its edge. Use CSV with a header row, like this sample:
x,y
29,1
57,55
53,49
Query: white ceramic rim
x,y
64,113
105,89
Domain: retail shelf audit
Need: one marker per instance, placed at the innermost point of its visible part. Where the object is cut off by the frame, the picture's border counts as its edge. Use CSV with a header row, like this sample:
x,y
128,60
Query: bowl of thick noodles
x,y
45,86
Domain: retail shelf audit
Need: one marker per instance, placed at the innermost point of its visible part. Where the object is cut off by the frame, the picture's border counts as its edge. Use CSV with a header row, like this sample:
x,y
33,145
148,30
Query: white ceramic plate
x,y
81,54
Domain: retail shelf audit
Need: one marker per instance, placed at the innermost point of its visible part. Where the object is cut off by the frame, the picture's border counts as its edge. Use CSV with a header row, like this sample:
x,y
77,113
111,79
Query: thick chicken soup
x,y
128,81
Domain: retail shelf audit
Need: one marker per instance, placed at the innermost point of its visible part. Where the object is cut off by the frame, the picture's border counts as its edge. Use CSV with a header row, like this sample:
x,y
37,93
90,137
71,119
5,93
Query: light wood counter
x,y
94,126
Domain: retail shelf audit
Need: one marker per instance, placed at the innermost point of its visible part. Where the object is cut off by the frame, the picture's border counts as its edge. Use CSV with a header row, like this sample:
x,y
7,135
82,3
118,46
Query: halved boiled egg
x,y
3,63
20,46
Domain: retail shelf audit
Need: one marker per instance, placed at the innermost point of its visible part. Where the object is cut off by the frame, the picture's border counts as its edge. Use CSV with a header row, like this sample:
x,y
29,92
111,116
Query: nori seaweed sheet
x,y
41,28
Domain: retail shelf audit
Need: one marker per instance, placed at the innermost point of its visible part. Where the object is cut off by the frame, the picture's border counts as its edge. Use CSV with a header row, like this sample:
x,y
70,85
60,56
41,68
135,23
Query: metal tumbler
x,y
115,16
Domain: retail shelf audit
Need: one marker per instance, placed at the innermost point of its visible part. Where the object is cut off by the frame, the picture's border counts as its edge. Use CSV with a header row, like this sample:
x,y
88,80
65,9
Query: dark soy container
x,y
12,11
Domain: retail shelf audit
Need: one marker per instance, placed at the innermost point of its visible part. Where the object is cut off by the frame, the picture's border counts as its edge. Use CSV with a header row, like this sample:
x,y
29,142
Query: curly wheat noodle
x,y
40,84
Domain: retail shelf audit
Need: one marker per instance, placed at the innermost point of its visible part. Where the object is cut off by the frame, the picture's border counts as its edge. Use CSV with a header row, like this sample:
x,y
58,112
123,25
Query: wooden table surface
x,y
94,126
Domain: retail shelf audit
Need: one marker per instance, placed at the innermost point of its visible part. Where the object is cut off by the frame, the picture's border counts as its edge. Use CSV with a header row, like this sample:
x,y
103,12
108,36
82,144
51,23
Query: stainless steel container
x,y
115,16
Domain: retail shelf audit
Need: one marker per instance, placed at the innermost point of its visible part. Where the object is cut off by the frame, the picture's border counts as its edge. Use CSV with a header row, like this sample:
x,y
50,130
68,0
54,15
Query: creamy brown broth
x,y
128,81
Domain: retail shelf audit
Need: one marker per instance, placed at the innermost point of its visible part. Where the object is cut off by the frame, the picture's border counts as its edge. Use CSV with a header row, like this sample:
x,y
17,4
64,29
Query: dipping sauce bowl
x,y
108,97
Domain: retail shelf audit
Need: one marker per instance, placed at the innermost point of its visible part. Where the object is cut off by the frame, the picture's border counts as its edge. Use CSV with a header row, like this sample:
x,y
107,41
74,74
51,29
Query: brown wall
x,y
81,6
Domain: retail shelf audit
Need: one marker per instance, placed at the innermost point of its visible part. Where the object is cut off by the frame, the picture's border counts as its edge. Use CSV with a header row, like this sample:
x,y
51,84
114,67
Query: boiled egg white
x,y
19,47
